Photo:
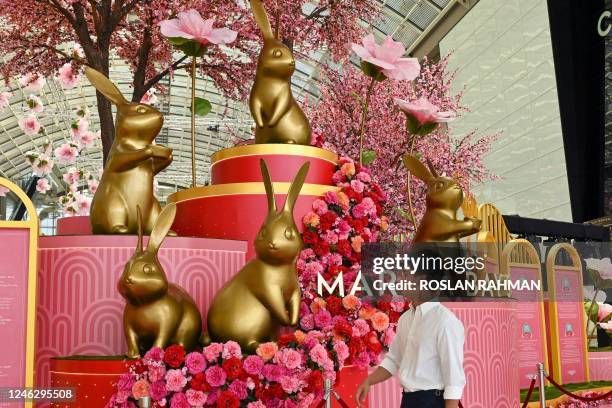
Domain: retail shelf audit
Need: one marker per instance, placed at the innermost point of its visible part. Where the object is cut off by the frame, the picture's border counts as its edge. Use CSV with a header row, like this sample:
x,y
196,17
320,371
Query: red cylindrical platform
x,y
235,205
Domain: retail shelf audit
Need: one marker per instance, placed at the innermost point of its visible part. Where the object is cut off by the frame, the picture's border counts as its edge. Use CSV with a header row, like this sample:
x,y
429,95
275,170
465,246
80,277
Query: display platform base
x,y
93,379
235,205
79,310
600,365
490,359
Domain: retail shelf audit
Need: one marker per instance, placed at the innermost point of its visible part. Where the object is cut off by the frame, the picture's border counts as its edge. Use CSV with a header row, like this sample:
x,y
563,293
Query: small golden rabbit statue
x,y
278,117
444,198
265,294
133,162
157,313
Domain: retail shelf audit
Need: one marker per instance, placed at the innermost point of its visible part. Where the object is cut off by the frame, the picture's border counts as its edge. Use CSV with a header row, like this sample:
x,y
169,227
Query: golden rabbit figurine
x,y
157,313
444,198
278,117
265,294
133,161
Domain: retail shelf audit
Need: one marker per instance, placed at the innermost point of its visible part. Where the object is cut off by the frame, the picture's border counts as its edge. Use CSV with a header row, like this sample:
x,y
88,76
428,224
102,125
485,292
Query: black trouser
x,y
423,399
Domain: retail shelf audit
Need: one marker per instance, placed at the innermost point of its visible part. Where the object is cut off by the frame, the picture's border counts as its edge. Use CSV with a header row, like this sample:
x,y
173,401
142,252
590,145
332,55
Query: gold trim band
x,y
245,188
274,149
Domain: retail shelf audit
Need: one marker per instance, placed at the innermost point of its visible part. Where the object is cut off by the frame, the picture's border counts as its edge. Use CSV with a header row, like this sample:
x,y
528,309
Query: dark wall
x,y
579,53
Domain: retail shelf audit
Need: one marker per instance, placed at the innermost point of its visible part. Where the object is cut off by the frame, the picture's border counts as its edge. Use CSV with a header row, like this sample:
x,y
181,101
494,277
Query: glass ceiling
x,y
405,20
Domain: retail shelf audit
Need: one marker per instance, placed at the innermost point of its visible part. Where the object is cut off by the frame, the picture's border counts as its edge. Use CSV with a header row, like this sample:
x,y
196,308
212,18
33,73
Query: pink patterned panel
x,y
600,366
79,310
491,358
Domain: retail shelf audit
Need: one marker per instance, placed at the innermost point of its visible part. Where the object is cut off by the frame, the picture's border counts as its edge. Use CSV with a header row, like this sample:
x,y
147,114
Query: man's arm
x,y
450,350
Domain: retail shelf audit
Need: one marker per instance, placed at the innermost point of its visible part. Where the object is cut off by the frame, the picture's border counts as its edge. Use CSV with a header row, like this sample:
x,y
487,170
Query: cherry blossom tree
x,y
39,36
336,121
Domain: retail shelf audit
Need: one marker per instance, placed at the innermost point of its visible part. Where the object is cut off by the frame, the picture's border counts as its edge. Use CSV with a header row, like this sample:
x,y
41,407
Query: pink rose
x,y
364,177
239,388
380,321
215,376
358,186
272,372
156,372
179,400
158,390
388,336
213,351
319,206
190,25
253,365
331,197
290,384
195,362
231,349
195,398
29,125
175,380
322,319
125,383
342,350
307,322
330,237
388,57
154,354
290,358
360,328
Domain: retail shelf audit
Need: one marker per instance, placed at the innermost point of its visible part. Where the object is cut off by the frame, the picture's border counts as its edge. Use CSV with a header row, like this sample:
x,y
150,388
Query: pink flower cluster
x,y
289,373
335,229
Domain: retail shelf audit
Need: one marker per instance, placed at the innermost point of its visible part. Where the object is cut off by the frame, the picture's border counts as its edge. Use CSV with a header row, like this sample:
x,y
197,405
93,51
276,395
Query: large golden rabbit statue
x,y
278,117
133,162
265,294
157,313
444,198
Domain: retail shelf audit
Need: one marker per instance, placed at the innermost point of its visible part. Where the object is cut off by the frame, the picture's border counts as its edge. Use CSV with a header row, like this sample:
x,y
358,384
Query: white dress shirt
x,y
427,351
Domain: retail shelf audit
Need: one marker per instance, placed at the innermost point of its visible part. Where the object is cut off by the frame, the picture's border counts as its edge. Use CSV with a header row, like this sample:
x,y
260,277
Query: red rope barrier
x,y
578,397
528,396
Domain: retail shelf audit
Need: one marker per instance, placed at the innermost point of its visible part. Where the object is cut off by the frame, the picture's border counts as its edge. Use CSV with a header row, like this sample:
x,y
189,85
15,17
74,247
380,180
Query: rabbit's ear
x,y
261,17
162,226
265,174
432,169
296,187
105,86
415,166
139,216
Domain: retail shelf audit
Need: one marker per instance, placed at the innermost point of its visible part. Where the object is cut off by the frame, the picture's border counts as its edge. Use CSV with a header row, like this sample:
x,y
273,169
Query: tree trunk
x,y
107,125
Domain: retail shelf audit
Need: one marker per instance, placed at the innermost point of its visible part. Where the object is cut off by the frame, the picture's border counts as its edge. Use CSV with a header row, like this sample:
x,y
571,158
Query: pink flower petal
x,y
221,36
369,43
404,69
390,50
192,23
173,28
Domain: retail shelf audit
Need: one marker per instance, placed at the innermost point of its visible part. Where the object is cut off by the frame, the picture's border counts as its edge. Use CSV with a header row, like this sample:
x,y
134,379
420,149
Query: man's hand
x,y
362,392
451,403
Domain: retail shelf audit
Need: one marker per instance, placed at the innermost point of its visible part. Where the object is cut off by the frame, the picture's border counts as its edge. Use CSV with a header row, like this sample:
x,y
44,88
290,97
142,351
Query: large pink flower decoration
x,y
4,99
424,111
190,25
388,57
29,125
67,77
66,153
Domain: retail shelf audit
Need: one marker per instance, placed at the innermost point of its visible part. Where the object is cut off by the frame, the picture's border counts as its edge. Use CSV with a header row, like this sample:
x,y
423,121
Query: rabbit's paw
x,y
119,229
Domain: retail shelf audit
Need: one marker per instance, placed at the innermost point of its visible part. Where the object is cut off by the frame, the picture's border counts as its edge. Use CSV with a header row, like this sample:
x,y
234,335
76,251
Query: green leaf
x,y
202,106
404,214
427,128
367,157
189,47
372,71
412,124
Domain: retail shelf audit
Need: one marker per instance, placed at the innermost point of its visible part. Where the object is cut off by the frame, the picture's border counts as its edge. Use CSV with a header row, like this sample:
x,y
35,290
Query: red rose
x,y
343,328
232,367
334,305
384,306
199,383
227,399
372,343
344,248
327,220
309,237
356,346
353,195
321,249
174,356
286,339
315,381
394,316
357,224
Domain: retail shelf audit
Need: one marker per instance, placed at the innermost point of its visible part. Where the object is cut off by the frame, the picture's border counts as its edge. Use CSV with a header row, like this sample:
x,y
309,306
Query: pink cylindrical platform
x,y
491,358
79,310
600,365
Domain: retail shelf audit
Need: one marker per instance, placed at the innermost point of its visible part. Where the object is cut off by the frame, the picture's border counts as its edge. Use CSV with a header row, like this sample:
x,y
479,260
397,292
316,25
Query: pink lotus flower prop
x,y
388,58
191,33
423,116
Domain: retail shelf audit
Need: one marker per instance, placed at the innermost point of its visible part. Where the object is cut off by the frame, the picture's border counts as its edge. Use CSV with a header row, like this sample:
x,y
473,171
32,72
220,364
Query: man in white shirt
x,y
426,353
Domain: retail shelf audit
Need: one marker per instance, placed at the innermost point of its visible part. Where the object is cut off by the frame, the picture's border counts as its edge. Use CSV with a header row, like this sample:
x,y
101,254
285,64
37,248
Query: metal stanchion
x,y
542,377
328,391
144,402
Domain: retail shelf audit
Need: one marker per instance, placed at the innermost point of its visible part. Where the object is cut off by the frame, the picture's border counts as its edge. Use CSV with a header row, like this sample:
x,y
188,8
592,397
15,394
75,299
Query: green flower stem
x,y
364,117
590,332
408,185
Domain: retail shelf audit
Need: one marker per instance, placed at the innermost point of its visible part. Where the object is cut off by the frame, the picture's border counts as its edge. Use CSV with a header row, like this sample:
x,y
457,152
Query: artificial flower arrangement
x,y
334,332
